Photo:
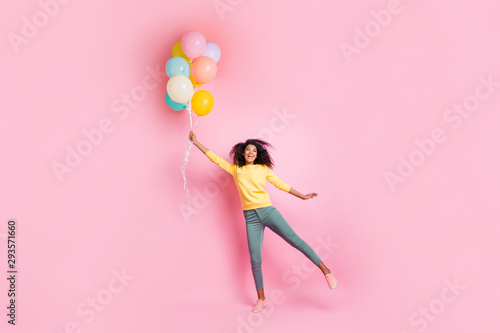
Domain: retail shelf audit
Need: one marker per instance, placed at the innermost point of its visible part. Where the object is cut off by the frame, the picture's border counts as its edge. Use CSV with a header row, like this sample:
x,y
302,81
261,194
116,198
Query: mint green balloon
x,y
177,66
173,104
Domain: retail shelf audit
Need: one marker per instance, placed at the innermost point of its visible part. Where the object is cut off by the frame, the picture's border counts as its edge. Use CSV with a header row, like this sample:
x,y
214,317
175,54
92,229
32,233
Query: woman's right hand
x,y
192,137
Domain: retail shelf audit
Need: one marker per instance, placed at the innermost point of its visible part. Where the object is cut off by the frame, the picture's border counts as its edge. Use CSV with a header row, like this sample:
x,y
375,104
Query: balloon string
x,y
186,156
190,119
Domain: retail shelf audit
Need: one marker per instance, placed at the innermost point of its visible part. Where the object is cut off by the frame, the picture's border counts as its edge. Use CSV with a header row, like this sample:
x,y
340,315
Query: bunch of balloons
x,y
193,63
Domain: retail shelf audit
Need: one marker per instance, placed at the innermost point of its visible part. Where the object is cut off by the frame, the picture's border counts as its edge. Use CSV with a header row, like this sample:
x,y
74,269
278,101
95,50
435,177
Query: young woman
x,y
252,166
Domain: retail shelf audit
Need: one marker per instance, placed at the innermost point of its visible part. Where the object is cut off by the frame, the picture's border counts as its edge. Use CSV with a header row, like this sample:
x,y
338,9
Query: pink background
x,y
351,119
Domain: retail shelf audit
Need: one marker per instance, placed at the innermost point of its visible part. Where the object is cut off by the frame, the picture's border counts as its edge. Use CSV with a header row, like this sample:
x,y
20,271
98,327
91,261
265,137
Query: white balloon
x,y
180,89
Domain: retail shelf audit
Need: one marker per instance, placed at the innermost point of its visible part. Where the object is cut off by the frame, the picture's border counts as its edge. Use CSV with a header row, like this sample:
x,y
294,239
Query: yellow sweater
x,y
250,181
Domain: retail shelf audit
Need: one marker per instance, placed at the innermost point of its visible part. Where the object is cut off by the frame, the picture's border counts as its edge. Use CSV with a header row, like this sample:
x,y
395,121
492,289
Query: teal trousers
x,y
256,221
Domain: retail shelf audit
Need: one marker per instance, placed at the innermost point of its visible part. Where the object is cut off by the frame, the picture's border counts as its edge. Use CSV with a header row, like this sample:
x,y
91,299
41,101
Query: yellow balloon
x,y
202,102
192,80
177,51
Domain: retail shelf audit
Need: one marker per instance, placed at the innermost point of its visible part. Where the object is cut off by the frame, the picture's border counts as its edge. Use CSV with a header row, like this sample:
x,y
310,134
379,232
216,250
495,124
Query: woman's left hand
x,y
310,195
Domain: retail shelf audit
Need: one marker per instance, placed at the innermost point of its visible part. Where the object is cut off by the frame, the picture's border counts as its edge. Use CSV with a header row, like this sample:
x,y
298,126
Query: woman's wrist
x,y
297,193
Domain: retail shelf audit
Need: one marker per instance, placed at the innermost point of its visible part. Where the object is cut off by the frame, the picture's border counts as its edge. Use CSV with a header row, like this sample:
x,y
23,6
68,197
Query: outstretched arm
x,y
212,156
192,137
300,195
273,179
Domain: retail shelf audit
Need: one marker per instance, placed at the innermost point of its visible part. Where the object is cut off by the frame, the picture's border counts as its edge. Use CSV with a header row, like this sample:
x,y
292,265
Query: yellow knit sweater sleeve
x,y
229,167
273,179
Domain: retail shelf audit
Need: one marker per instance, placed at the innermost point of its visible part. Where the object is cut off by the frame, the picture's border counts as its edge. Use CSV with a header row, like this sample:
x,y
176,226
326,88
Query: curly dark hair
x,y
263,156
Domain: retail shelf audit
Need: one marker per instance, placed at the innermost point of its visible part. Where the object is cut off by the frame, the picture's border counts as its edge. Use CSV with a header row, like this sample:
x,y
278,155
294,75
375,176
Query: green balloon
x,y
173,104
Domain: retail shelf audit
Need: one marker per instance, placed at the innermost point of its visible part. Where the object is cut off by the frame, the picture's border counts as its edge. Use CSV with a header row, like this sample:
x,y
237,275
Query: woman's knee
x,y
296,241
256,262
255,257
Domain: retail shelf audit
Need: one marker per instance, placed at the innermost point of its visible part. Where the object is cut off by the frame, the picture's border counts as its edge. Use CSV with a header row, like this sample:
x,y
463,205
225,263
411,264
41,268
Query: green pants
x,y
256,221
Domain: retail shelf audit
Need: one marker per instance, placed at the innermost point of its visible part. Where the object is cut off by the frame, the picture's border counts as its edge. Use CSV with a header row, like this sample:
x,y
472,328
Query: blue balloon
x,y
212,50
177,66
173,104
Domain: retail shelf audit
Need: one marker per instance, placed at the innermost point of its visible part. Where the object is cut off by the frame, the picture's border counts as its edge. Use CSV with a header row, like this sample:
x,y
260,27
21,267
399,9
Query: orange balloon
x,y
204,69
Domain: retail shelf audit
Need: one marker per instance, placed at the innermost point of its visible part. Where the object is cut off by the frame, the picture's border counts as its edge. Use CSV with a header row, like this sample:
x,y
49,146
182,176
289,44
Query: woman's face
x,y
250,154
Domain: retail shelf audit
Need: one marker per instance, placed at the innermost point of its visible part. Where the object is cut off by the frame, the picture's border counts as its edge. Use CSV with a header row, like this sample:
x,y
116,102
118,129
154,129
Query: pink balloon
x,y
204,70
193,44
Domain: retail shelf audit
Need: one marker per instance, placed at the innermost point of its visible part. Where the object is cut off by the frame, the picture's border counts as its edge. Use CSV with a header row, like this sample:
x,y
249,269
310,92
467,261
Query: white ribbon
x,y
186,156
